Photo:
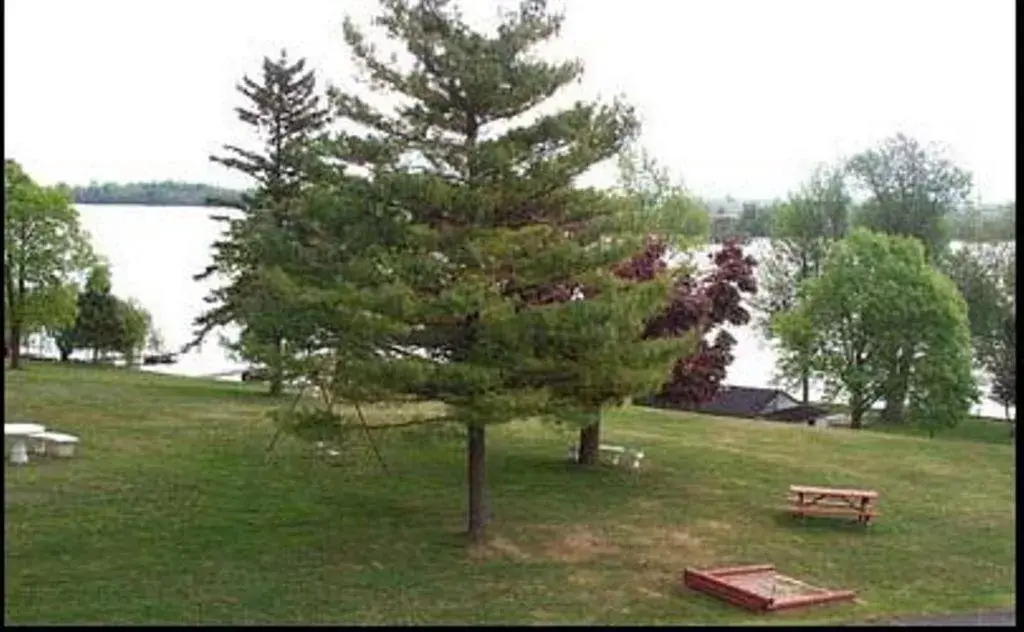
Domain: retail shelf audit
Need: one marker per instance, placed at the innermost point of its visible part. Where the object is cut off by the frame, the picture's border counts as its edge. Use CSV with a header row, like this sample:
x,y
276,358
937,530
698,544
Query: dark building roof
x,y
746,401
801,413
743,401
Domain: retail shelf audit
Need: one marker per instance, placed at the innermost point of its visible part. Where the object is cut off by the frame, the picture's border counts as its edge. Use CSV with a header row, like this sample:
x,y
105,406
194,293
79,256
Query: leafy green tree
x,y
98,325
1001,364
986,277
155,341
44,249
911,190
104,323
54,310
980,273
135,323
657,203
285,111
64,339
803,230
876,291
469,232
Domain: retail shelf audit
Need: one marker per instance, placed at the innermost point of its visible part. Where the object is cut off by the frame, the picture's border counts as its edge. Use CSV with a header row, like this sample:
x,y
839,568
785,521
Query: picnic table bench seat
x,y
832,491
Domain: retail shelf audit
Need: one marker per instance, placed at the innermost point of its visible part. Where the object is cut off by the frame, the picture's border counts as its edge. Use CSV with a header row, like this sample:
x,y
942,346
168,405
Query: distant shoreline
x,y
991,225
166,193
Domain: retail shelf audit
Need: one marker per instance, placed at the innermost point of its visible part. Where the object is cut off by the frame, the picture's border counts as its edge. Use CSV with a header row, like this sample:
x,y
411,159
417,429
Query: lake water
x,y
155,251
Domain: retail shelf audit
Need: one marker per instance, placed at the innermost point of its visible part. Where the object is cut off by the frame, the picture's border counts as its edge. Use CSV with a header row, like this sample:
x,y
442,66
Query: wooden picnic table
x,y
832,501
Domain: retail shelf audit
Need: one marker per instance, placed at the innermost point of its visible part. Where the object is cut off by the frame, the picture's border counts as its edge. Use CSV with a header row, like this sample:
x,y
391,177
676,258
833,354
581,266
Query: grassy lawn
x,y
173,512
976,429
983,429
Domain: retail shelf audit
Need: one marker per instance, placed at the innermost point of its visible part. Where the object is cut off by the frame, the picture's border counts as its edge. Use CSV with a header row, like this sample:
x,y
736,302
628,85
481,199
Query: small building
x,y
751,402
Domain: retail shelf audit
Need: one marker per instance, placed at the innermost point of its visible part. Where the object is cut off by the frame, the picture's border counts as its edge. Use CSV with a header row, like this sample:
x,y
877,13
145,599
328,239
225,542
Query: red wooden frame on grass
x,y
727,584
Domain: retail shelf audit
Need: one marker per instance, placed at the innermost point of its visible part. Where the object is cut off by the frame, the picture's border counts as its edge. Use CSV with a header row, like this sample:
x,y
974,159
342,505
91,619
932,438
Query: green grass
x,y
976,429
173,512
983,429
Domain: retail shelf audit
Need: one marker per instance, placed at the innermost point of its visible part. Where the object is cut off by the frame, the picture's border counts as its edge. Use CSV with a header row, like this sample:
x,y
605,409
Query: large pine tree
x,y
479,217
286,114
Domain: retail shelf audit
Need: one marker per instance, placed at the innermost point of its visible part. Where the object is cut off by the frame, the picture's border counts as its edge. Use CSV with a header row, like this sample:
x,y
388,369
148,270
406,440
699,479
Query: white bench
x,y
19,434
56,443
634,457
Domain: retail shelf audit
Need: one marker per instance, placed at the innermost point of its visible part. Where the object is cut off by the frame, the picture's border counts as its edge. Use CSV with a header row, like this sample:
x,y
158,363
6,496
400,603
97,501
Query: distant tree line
x,y
971,223
166,193
981,224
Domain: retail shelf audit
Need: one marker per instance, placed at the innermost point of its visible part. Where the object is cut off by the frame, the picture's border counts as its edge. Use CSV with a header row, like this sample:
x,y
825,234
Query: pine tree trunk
x,y
805,387
477,515
590,441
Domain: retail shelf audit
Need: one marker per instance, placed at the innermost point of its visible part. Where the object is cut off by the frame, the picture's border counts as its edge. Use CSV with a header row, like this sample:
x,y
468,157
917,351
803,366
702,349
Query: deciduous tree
x,y
701,305
803,229
98,324
911,190
986,277
877,291
135,322
44,249
658,204
1001,364
155,341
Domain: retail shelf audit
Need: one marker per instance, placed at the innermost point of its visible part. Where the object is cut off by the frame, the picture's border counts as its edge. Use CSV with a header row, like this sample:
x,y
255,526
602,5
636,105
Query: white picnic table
x,y
617,452
19,434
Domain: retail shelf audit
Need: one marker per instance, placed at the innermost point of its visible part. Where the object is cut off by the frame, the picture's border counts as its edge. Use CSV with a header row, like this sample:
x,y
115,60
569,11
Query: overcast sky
x,y
738,97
